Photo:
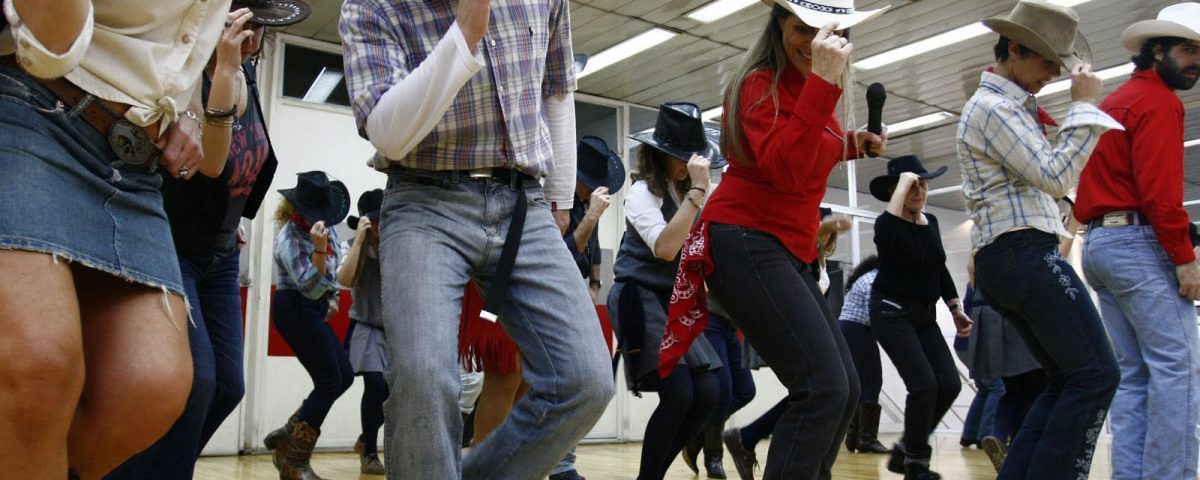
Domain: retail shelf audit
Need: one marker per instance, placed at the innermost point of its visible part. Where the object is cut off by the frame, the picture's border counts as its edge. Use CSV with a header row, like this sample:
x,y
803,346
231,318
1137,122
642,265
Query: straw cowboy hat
x,y
1182,20
817,13
1048,29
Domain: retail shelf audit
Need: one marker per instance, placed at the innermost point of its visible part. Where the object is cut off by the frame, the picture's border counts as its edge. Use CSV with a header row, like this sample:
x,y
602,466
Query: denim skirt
x,y
64,192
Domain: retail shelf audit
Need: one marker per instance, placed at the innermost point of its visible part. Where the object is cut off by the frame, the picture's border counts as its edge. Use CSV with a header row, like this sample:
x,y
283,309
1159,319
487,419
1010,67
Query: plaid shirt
x,y
856,307
497,118
1012,174
293,263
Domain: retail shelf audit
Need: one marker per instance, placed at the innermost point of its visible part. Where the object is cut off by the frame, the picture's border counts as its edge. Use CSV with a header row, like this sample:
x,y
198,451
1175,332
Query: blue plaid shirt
x,y
497,118
856,307
293,263
1012,174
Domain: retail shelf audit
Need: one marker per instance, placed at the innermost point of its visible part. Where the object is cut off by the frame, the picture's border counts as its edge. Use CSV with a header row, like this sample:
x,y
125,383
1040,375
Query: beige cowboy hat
x,y
817,13
1182,20
1048,29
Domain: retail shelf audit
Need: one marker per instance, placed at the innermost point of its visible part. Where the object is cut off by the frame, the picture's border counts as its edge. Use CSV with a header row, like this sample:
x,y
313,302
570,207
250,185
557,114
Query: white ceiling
x,y
691,66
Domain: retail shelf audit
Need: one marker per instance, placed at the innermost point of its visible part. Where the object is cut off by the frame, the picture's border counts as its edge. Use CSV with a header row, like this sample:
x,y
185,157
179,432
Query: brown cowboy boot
x,y
370,461
278,437
294,455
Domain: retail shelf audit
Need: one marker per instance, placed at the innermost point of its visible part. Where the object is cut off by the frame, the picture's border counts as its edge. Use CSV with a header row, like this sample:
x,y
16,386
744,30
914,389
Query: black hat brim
x,y
615,179
710,151
281,13
352,221
883,185
332,214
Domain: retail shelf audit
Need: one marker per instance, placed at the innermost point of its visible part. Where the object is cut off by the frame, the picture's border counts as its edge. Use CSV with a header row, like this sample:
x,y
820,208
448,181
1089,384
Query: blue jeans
x,y
301,322
736,383
440,230
981,417
215,336
1024,278
1153,330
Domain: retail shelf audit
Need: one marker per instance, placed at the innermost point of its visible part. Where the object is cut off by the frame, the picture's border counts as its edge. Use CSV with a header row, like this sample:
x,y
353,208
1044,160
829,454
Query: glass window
x,y
314,76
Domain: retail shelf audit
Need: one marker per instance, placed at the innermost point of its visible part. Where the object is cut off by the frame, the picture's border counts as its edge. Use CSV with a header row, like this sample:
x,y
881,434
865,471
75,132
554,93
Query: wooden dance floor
x,y
620,462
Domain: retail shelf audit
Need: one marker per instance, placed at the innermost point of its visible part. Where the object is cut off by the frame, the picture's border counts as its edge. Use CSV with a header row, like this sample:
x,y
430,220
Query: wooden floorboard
x,y
620,462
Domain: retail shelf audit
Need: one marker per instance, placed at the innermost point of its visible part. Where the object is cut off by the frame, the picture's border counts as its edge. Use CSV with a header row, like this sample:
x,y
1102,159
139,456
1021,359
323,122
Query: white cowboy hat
x,y
1182,20
1048,29
817,13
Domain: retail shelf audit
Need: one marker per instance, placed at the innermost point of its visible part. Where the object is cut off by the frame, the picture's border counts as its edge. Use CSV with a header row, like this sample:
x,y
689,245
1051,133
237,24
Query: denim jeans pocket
x,y
16,89
536,198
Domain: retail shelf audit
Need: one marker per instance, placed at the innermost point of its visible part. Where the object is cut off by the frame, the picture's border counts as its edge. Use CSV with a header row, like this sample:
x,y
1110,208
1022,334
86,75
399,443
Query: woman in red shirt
x,y
761,224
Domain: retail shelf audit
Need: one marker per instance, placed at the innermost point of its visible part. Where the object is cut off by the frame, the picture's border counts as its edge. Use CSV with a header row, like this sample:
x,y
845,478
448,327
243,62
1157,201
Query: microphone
x,y
876,95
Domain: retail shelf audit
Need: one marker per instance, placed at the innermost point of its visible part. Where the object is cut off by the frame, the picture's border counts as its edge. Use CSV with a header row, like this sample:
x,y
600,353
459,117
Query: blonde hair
x,y
284,212
768,52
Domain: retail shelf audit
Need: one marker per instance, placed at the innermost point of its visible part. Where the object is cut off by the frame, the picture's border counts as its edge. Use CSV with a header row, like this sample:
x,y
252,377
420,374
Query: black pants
x,y
865,351
301,322
773,297
909,333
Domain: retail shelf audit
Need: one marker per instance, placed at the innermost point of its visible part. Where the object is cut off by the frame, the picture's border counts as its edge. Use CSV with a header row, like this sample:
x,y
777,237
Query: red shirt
x,y
1141,168
779,188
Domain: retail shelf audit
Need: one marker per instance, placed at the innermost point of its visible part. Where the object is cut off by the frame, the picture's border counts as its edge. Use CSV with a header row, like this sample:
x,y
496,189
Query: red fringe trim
x,y
482,345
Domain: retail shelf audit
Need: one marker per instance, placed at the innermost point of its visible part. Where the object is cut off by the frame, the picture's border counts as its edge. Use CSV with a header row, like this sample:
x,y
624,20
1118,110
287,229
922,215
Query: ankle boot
x,y
294,455
896,461
713,451
919,471
868,429
852,432
370,461
277,439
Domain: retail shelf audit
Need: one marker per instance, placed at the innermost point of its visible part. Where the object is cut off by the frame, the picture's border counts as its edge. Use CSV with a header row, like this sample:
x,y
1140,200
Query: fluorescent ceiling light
x,y
628,48
896,128
712,114
718,10
1068,3
323,86
1106,74
935,42
1191,143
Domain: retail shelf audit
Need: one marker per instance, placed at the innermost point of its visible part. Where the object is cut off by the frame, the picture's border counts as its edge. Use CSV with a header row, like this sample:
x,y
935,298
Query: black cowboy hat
x,y
883,185
369,204
598,166
274,13
680,132
319,199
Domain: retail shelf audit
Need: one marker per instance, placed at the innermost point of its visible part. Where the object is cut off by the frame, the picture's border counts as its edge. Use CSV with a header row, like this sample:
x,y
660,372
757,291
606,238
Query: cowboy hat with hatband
x,y
274,13
1182,20
1050,30
818,13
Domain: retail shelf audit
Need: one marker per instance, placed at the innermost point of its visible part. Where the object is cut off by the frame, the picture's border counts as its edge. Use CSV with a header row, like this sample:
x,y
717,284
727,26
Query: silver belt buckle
x,y
131,143
1114,220
481,173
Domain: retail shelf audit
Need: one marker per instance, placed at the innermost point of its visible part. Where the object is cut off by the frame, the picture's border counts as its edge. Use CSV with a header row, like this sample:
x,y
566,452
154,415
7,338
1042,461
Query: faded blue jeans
x,y
1023,277
1153,330
440,230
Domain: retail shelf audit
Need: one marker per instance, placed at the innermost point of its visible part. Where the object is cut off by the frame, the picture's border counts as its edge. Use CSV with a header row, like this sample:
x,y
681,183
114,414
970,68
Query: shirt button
x,y
491,42
187,39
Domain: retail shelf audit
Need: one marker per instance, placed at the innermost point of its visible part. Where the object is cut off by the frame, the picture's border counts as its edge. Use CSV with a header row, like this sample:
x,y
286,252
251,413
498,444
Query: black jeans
x,y
865,351
908,332
1024,278
772,296
301,322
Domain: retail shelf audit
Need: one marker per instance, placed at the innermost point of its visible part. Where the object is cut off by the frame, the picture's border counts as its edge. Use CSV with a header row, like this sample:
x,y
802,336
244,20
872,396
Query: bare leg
x,y
500,392
41,364
139,370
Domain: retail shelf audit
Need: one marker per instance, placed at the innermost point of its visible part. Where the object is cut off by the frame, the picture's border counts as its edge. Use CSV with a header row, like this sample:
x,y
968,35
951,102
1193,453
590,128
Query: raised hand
x,y
1085,85
698,171
319,235
830,53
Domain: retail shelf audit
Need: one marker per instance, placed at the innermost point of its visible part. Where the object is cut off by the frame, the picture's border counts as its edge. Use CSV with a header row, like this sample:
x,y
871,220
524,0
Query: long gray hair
x,y
768,52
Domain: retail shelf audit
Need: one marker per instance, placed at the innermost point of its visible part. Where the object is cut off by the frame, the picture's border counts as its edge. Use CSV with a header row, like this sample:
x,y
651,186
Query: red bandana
x,y
1043,115
306,227
688,314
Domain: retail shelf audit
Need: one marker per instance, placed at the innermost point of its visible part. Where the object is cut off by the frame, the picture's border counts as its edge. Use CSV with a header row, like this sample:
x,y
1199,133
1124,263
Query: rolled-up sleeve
x,y
38,60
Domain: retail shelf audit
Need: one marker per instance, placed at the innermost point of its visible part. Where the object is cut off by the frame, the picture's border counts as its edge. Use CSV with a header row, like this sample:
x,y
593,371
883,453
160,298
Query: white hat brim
x,y
1137,34
817,19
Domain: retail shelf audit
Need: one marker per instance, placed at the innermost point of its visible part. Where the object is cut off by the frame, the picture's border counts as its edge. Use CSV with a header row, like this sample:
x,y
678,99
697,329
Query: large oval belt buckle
x,y
130,142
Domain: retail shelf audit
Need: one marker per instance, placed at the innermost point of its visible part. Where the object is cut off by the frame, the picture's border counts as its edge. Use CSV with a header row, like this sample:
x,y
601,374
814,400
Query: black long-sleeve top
x,y
912,262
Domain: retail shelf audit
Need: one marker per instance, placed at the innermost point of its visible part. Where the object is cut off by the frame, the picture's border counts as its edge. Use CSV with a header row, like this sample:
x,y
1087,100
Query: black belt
x,y
1119,219
496,298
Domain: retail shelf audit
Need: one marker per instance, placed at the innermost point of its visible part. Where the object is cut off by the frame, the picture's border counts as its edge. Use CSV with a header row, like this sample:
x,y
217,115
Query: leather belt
x,y
1119,219
133,144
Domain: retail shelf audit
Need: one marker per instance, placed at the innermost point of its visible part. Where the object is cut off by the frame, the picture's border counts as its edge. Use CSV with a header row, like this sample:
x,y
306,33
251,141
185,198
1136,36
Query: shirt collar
x,y
1003,86
1151,75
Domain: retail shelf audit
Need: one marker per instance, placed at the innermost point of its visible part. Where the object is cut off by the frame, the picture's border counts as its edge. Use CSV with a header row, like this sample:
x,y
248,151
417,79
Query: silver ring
x,y
184,171
228,24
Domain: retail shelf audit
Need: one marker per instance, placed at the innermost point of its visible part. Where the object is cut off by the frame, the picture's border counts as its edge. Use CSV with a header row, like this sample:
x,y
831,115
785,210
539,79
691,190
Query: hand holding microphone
x,y
873,140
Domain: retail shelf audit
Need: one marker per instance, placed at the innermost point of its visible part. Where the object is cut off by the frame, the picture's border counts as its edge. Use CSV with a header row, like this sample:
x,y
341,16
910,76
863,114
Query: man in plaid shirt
x,y
470,105
1012,176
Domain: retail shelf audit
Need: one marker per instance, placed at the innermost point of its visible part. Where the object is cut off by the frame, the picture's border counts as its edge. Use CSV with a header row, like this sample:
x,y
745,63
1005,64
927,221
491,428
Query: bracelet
x,y
698,206
595,281
212,113
219,122
702,191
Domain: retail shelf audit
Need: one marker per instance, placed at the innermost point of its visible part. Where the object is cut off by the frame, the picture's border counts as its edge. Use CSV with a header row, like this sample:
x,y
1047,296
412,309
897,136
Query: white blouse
x,y
643,209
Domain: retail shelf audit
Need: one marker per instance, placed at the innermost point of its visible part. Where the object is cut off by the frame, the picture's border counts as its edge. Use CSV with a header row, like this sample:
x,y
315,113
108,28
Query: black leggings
x,y
301,322
685,399
865,351
375,391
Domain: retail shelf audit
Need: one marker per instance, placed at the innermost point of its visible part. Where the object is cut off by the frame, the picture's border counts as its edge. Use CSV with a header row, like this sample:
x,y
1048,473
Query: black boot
x,y
868,429
743,459
713,451
691,450
919,471
896,462
852,432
